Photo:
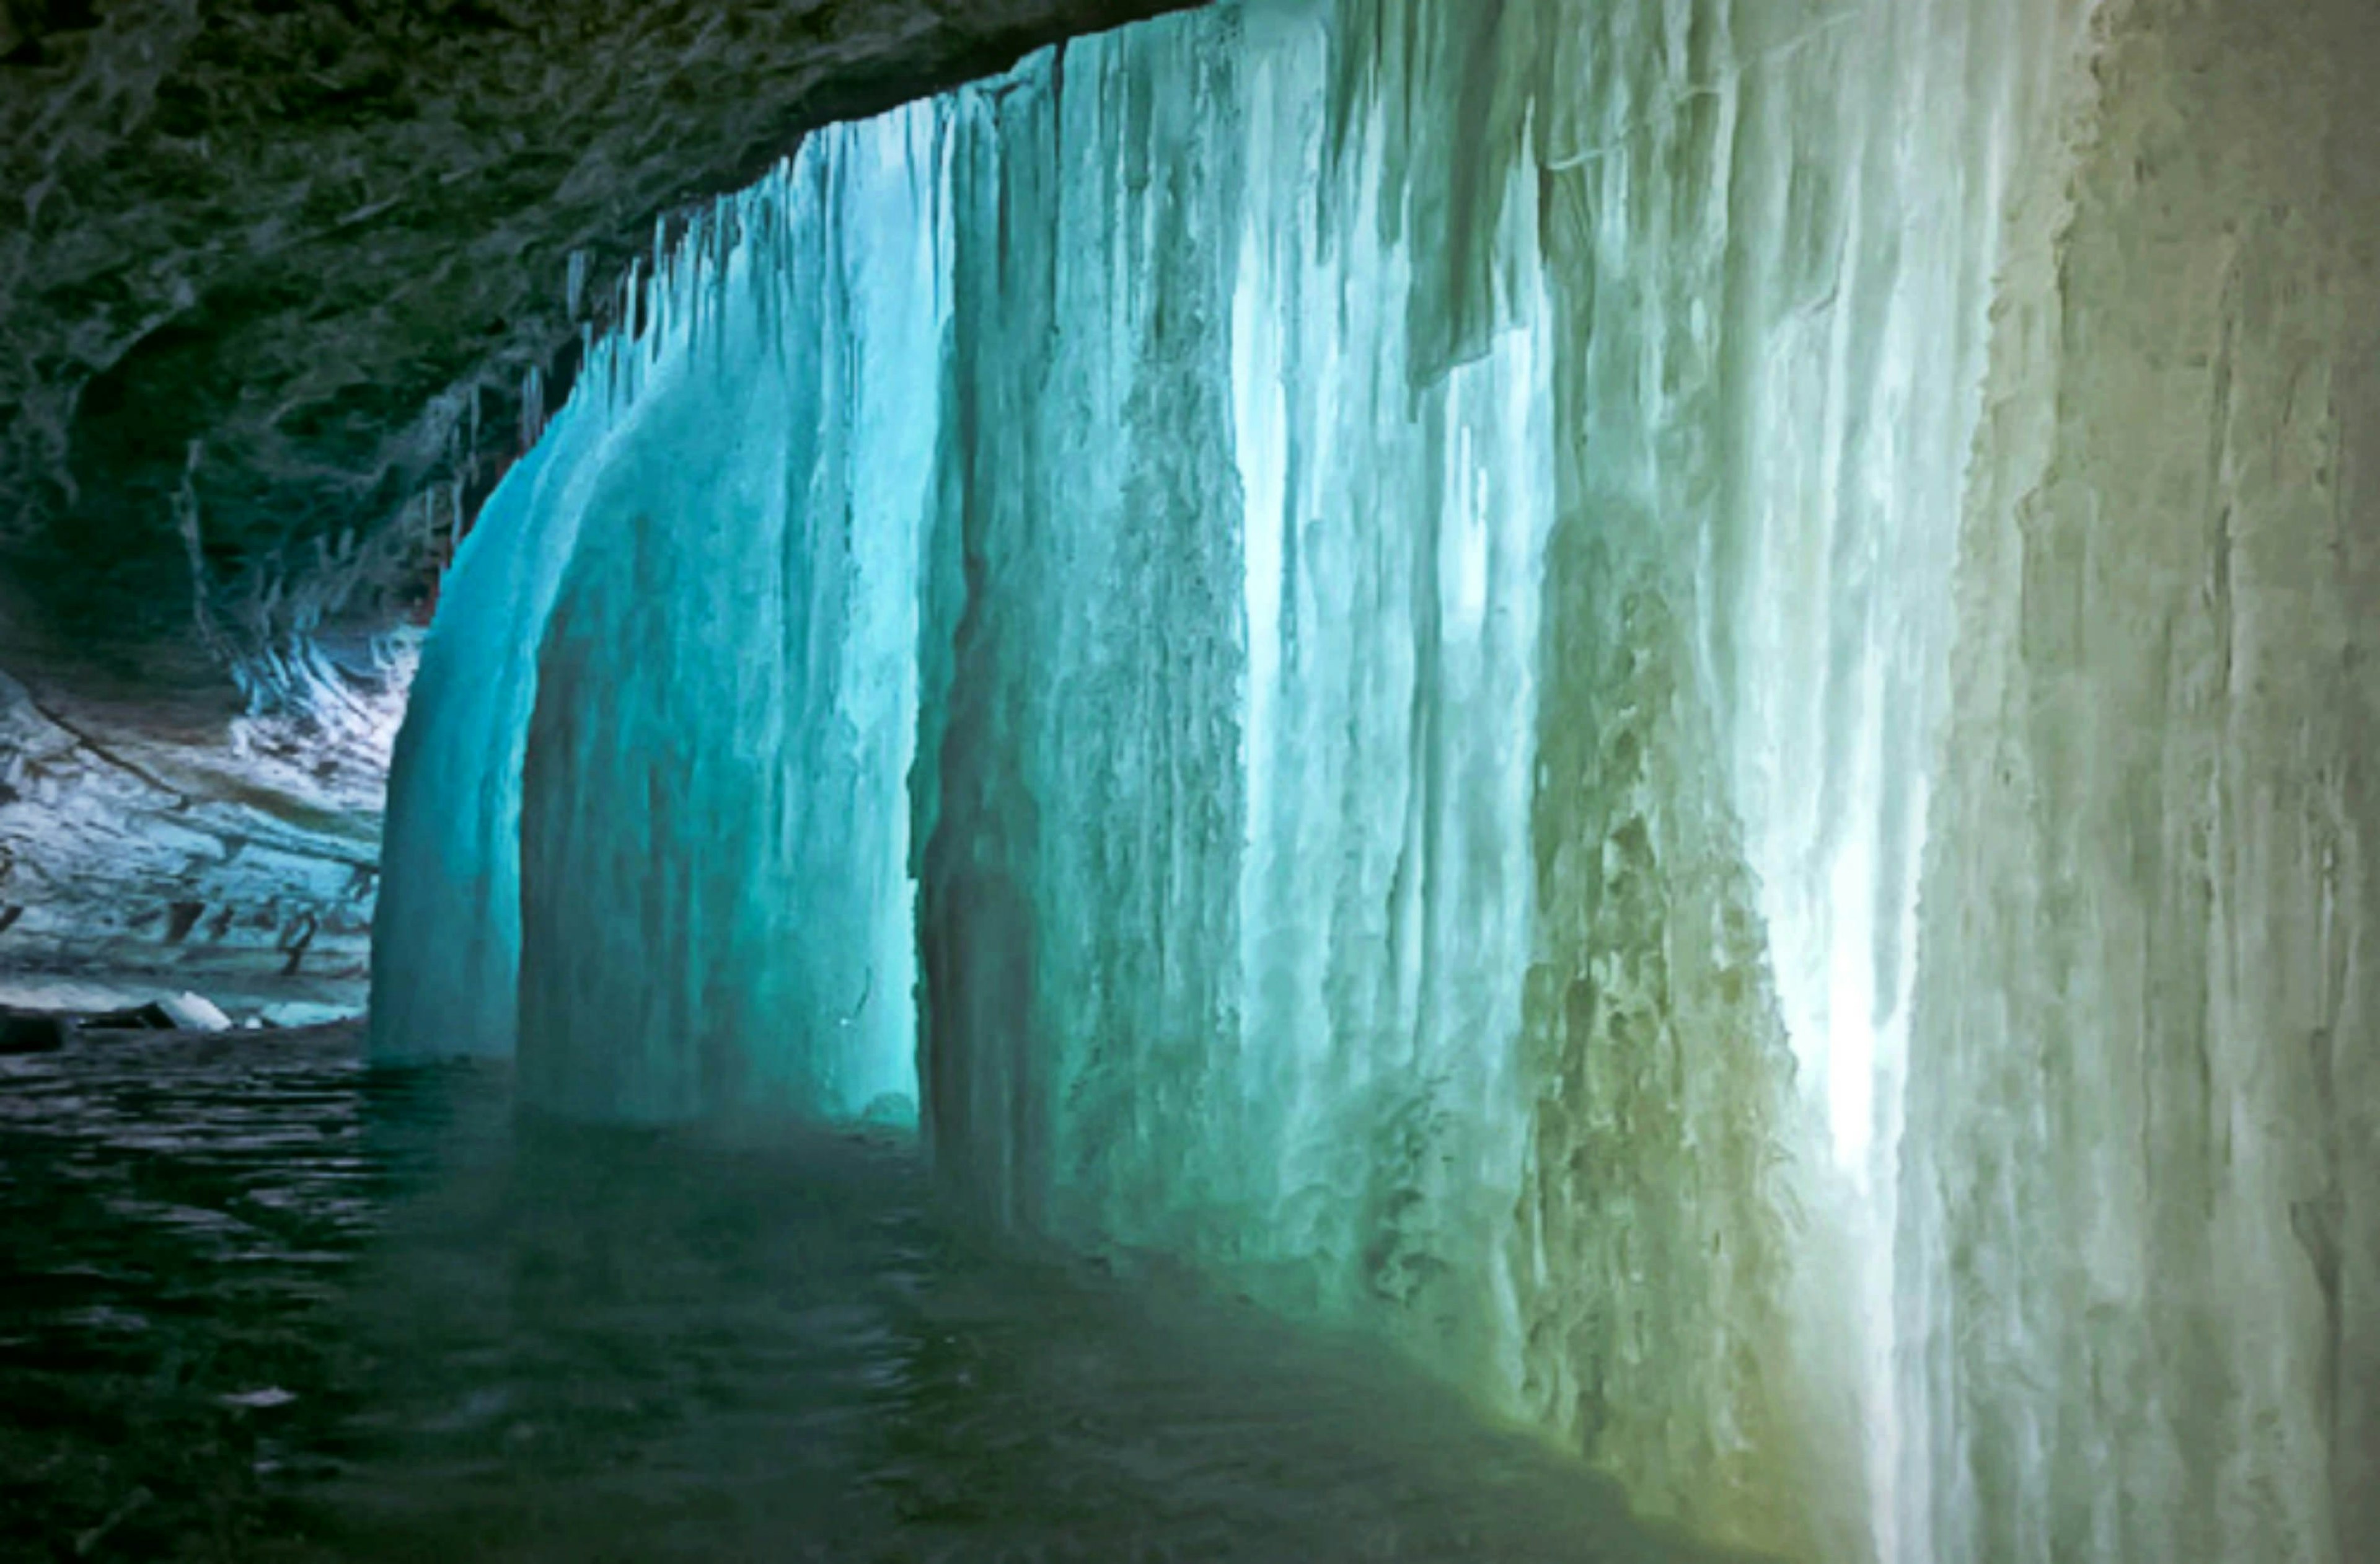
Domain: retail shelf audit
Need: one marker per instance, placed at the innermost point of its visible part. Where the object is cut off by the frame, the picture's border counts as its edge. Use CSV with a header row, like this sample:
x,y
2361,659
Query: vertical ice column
x,y
1675,1290
1395,517
1226,917
1077,919
2141,1200
446,930
650,818
1872,154
714,891
446,933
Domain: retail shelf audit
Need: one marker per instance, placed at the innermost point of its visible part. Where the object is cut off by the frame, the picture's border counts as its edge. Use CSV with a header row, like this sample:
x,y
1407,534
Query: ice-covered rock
x,y
194,1013
148,838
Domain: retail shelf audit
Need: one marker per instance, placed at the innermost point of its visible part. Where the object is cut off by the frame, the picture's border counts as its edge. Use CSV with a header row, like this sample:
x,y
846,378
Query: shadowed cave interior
x,y
1293,780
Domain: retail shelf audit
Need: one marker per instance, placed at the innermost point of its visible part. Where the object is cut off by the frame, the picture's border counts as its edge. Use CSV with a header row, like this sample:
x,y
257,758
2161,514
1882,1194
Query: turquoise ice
x,y
1421,650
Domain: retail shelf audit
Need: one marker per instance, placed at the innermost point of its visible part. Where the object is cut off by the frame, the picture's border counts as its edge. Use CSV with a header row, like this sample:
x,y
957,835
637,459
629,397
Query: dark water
x,y
258,1302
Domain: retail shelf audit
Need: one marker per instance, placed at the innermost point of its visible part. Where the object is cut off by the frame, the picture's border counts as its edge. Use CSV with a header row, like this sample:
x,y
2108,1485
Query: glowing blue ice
x,y
1340,613
650,814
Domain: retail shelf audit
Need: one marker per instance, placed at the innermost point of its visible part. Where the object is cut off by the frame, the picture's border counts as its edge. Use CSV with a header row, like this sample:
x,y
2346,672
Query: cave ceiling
x,y
271,271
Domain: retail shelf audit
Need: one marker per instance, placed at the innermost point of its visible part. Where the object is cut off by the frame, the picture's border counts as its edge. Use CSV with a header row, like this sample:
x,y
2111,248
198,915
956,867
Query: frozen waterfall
x,y
1633,692
648,808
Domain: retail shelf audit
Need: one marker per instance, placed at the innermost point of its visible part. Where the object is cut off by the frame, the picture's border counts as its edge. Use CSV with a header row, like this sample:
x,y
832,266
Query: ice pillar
x,y
651,819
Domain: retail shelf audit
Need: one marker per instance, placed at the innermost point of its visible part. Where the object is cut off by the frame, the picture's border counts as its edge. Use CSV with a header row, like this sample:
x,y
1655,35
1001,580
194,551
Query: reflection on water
x,y
259,1303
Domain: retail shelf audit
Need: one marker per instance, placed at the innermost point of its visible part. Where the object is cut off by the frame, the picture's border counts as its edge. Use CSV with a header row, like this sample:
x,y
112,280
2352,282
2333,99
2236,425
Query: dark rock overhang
x,y
273,270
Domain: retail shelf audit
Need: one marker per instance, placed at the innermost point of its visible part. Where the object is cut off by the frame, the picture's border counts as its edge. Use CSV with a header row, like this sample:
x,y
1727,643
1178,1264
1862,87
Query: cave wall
x,y
236,857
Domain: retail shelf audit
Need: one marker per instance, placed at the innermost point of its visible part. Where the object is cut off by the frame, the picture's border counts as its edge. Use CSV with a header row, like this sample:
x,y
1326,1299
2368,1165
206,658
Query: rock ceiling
x,y
272,269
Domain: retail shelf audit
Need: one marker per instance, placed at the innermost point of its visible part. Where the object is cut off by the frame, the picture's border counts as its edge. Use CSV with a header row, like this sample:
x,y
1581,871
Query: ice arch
x,y
1631,690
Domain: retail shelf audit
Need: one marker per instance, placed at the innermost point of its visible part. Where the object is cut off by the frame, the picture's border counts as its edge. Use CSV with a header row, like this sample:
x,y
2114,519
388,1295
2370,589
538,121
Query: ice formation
x,y
648,804
1524,675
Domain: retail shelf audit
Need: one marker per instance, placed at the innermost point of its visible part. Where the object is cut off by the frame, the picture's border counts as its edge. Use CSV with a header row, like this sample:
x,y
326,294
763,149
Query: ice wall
x,y
1662,697
1524,921
446,932
2141,1223
650,825
1089,546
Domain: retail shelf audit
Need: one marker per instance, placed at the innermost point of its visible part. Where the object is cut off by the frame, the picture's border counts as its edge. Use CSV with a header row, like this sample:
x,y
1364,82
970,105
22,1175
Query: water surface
x,y
260,1302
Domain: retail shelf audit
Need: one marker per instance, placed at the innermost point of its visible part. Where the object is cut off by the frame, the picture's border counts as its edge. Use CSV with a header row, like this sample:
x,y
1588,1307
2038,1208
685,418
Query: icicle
x,y
532,405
